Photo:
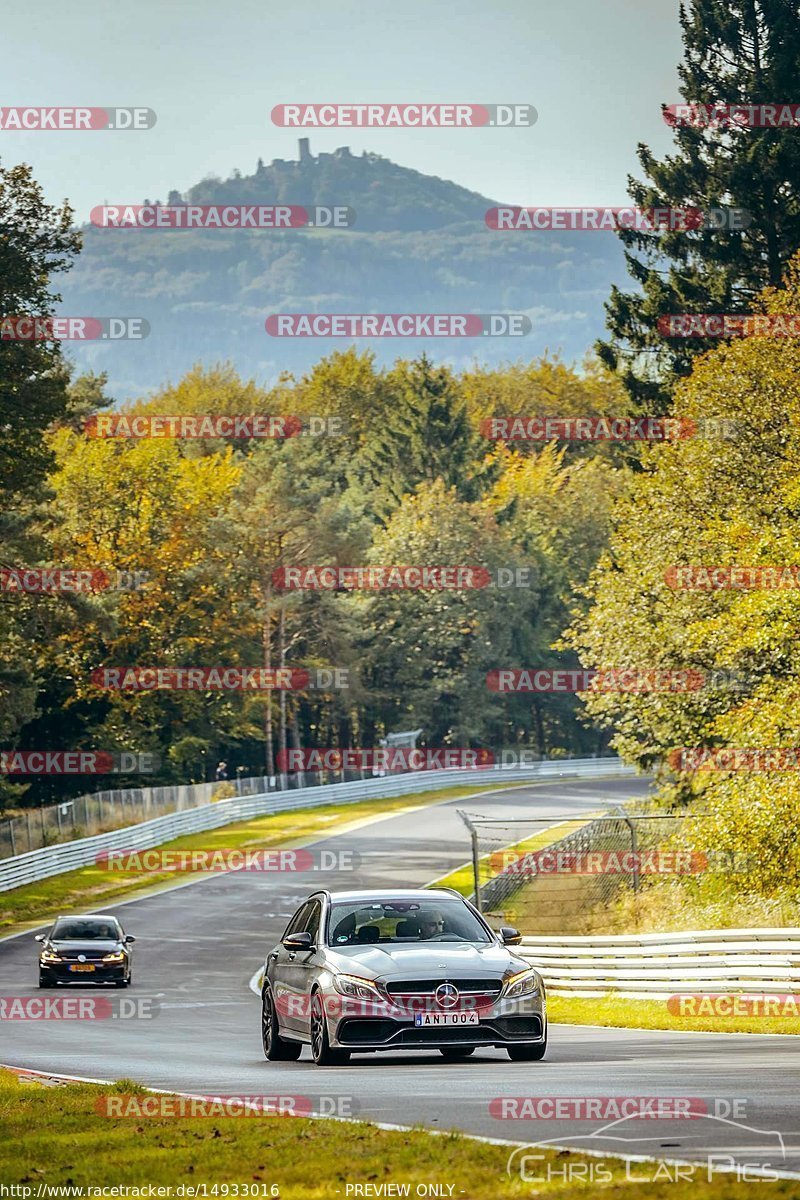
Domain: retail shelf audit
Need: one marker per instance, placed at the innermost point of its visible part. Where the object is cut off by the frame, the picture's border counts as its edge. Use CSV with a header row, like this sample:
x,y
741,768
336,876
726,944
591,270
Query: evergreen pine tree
x,y
736,52
425,435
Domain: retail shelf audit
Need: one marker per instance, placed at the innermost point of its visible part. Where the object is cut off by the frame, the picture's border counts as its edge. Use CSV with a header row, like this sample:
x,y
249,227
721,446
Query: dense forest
x,y
390,463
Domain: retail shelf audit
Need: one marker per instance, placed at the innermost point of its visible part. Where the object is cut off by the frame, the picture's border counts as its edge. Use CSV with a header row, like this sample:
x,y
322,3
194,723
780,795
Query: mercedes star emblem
x,y
446,995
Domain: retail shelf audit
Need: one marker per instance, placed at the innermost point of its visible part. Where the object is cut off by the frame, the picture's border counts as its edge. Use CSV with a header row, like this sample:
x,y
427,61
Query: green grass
x,y
93,886
55,1135
654,1014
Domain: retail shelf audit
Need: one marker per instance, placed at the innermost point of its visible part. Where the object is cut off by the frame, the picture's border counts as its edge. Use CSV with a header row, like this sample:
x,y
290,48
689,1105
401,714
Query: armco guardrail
x,y
54,860
657,965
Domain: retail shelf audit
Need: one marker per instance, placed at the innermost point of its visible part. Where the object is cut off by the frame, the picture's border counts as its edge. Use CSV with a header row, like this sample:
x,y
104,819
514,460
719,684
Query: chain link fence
x,y
101,812
541,882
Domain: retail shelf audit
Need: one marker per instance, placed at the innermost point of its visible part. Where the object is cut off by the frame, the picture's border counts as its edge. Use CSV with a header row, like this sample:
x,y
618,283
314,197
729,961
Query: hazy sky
x,y
596,71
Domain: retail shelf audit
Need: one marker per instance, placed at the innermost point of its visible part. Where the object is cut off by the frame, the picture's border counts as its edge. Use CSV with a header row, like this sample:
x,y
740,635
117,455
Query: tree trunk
x,y
539,726
294,733
266,636
282,744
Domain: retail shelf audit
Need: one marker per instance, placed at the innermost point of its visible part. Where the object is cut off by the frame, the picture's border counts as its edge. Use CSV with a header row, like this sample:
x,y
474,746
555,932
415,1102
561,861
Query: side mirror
x,y
298,941
39,937
129,938
510,936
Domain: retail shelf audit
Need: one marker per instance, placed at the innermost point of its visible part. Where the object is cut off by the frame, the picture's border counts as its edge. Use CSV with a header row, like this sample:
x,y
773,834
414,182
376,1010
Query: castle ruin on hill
x,y
305,157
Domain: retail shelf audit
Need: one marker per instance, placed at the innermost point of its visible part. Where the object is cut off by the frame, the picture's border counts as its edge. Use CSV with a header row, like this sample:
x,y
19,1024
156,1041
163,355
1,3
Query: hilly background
x,y
419,244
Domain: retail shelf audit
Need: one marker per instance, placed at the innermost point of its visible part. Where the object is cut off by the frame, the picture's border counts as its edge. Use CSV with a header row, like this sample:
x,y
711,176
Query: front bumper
x,y
102,973
504,1023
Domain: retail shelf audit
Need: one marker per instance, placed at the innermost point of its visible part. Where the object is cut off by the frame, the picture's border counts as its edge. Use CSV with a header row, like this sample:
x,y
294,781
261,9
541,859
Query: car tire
x,y
527,1053
121,982
454,1053
322,1052
276,1048
45,983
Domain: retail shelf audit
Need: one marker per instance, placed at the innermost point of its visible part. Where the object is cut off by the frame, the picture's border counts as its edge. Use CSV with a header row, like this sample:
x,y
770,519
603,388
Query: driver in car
x,y
430,924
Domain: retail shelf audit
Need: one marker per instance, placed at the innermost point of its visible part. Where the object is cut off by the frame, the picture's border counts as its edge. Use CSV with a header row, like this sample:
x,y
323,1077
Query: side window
x,y
298,921
312,920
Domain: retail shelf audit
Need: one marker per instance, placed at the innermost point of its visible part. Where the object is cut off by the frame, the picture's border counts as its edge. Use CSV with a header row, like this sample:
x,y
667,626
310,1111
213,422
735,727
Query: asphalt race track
x,y
199,945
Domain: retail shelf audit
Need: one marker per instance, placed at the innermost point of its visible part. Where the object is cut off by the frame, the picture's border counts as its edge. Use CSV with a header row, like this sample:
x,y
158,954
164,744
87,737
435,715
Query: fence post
x,y
634,845
13,840
476,871
28,827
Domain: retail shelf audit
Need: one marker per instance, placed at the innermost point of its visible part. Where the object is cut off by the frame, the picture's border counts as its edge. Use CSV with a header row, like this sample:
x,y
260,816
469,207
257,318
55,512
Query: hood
x,y
435,961
93,946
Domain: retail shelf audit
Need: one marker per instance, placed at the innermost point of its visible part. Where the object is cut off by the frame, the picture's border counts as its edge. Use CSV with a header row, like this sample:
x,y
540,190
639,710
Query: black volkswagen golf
x,y
87,949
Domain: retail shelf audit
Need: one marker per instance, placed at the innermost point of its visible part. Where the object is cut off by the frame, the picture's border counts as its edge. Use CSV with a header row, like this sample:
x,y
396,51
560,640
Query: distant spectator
x,y
222,771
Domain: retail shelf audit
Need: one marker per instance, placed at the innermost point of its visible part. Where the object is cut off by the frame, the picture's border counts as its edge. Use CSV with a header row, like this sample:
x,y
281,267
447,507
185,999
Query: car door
x,y
305,966
284,976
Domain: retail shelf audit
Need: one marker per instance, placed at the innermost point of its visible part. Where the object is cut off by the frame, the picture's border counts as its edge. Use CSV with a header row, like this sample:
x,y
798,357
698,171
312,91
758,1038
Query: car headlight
x,y
50,956
524,983
356,986
117,956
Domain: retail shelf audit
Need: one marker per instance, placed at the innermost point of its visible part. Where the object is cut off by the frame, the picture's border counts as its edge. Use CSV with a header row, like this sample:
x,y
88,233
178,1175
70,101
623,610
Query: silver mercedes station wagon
x,y
360,971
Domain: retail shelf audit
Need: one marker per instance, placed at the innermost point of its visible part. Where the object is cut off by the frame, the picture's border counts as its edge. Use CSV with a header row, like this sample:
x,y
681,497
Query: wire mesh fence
x,y
561,879
100,812
103,812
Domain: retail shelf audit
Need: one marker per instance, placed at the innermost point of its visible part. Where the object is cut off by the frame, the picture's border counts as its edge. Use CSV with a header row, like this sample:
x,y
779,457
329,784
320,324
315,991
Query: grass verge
x,y
654,1014
55,1135
694,902
93,886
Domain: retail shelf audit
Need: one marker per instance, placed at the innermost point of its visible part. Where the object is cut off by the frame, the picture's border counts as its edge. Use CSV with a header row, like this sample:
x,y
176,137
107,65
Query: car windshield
x,y
403,921
73,930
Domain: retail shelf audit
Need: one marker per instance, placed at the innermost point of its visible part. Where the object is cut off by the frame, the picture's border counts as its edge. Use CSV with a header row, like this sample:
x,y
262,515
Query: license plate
x,y
82,967
450,1018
